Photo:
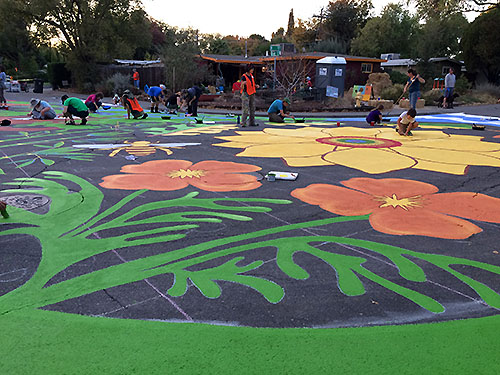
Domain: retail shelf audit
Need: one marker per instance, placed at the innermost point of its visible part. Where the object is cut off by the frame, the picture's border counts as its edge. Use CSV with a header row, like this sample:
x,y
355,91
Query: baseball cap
x,y
286,100
163,87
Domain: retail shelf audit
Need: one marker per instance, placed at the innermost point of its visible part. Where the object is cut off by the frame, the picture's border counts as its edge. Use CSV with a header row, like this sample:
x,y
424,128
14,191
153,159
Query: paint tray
x,y
166,117
478,127
300,120
290,176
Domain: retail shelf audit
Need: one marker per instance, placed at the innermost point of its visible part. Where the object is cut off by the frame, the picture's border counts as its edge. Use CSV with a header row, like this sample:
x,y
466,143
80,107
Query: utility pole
x,y
246,48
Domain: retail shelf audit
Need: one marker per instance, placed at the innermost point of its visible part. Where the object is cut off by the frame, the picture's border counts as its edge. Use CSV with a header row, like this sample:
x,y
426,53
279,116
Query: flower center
x,y
186,173
404,203
359,142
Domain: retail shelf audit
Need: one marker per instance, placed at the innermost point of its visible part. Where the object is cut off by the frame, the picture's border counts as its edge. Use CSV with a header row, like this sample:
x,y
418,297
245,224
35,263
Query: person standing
x,y
449,86
135,77
247,91
3,86
413,87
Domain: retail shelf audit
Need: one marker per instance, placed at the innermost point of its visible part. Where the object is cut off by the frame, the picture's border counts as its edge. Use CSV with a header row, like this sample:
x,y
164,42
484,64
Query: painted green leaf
x,y
58,144
1,171
25,164
47,162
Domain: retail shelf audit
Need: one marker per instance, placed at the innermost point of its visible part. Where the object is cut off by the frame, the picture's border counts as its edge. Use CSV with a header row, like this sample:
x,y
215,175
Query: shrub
x,y
392,93
462,85
398,77
431,96
488,89
116,84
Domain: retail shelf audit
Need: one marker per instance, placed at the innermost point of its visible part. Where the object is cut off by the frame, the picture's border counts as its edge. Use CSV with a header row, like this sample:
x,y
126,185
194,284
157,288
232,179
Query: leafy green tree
x,y
344,18
439,8
304,34
393,31
89,31
279,36
481,45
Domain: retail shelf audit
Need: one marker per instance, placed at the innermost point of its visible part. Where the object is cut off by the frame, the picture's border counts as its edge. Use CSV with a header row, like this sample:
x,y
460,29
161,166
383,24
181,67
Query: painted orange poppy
x,y
405,207
168,175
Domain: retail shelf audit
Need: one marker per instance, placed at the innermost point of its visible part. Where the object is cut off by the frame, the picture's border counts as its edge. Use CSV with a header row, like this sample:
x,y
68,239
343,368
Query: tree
x,y
89,31
279,36
290,74
344,18
291,24
393,31
481,45
437,8
304,34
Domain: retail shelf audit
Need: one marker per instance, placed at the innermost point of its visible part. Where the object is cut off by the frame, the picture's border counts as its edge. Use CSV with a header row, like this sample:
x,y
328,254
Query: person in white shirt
x,y
406,122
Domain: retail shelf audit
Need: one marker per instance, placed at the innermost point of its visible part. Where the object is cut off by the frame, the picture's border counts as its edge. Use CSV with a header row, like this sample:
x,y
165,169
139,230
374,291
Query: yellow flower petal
x,y
370,160
458,145
287,150
458,169
309,161
449,156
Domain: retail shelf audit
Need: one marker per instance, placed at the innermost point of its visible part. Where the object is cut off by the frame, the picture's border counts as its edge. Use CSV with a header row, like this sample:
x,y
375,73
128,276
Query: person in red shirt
x,y
93,102
237,86
135,77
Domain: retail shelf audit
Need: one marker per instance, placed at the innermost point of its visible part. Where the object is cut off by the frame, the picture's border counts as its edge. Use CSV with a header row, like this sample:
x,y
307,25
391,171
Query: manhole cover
x,y
26,201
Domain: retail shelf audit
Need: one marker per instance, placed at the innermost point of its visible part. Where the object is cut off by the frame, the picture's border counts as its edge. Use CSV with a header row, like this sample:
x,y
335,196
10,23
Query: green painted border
x,y
43,342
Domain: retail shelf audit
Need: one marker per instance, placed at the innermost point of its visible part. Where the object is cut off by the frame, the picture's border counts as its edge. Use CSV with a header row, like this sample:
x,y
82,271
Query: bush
x,y
116,84
462,85
392,93
488,89
398,77
431,96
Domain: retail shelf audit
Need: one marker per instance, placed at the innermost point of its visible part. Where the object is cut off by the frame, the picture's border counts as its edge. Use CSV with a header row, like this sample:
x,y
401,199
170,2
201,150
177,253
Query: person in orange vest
x,y
130,103
135,77
247,90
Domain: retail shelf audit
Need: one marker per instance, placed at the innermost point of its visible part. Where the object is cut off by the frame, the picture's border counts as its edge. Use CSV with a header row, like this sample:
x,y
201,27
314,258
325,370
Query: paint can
x,y
338,123
372,123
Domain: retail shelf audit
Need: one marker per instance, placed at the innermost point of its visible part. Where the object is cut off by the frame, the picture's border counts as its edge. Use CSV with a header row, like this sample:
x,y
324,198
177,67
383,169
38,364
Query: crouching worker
x,y
93,102
41,110
375,116
173,103
130,103
406,122
74,107
278,110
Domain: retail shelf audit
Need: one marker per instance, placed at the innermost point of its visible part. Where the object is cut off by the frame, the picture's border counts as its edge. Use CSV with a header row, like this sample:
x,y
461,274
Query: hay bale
x,y
379,81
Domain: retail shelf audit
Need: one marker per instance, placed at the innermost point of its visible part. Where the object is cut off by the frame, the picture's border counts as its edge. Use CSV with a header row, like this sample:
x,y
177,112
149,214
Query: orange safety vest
x,y
250,84
134,105
136,76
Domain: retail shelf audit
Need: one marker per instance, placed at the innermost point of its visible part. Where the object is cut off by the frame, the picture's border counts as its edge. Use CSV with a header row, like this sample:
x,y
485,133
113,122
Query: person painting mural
x,y
278,110
74,107
413,87
41,110
130,103
247,90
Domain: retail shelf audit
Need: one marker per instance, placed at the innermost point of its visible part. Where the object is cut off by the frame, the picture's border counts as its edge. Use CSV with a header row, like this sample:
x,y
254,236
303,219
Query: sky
x,y
233,17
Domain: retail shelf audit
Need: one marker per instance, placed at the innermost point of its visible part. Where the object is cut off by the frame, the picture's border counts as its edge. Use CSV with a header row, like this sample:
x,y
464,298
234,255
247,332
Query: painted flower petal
x,y
226,182
421,222
459,145
336,199
306,161
143,181
469,205
386,187
224,166
449,156
458,169
158,167
371,160
287,149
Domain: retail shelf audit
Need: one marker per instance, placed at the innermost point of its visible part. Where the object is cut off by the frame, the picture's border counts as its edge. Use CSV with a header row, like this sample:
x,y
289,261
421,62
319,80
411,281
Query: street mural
x,y
206,220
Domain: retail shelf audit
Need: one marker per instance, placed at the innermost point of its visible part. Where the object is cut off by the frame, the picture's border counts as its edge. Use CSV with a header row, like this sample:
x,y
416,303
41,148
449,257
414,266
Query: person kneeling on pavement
x,y
74,107
130,103
93,102
406,122
41,110
278,110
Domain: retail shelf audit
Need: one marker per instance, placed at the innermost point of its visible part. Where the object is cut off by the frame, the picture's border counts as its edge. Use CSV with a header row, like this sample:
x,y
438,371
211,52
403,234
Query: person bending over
x,y
191,98
173,102
41,110
130,103
406,122
156,94
93,102
375,115
74,107
278,110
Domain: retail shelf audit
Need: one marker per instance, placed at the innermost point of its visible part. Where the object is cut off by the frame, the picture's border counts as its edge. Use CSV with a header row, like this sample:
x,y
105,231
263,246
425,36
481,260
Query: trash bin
x,y
38,86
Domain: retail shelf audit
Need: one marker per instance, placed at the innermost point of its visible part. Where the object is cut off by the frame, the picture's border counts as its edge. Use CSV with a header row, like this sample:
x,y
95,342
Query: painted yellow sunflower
x,y
372,150
203,130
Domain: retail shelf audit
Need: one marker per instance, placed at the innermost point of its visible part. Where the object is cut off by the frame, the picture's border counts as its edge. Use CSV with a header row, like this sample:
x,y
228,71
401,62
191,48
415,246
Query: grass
x,y
44,342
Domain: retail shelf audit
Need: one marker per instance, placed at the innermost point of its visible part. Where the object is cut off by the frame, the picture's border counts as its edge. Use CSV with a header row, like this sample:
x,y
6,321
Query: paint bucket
x,y
372,123
271,177
338,123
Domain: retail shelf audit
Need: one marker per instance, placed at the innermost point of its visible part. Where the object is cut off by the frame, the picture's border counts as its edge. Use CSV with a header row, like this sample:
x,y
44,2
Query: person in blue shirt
x,y
278,110
3,86
413,87
156,94
375,116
